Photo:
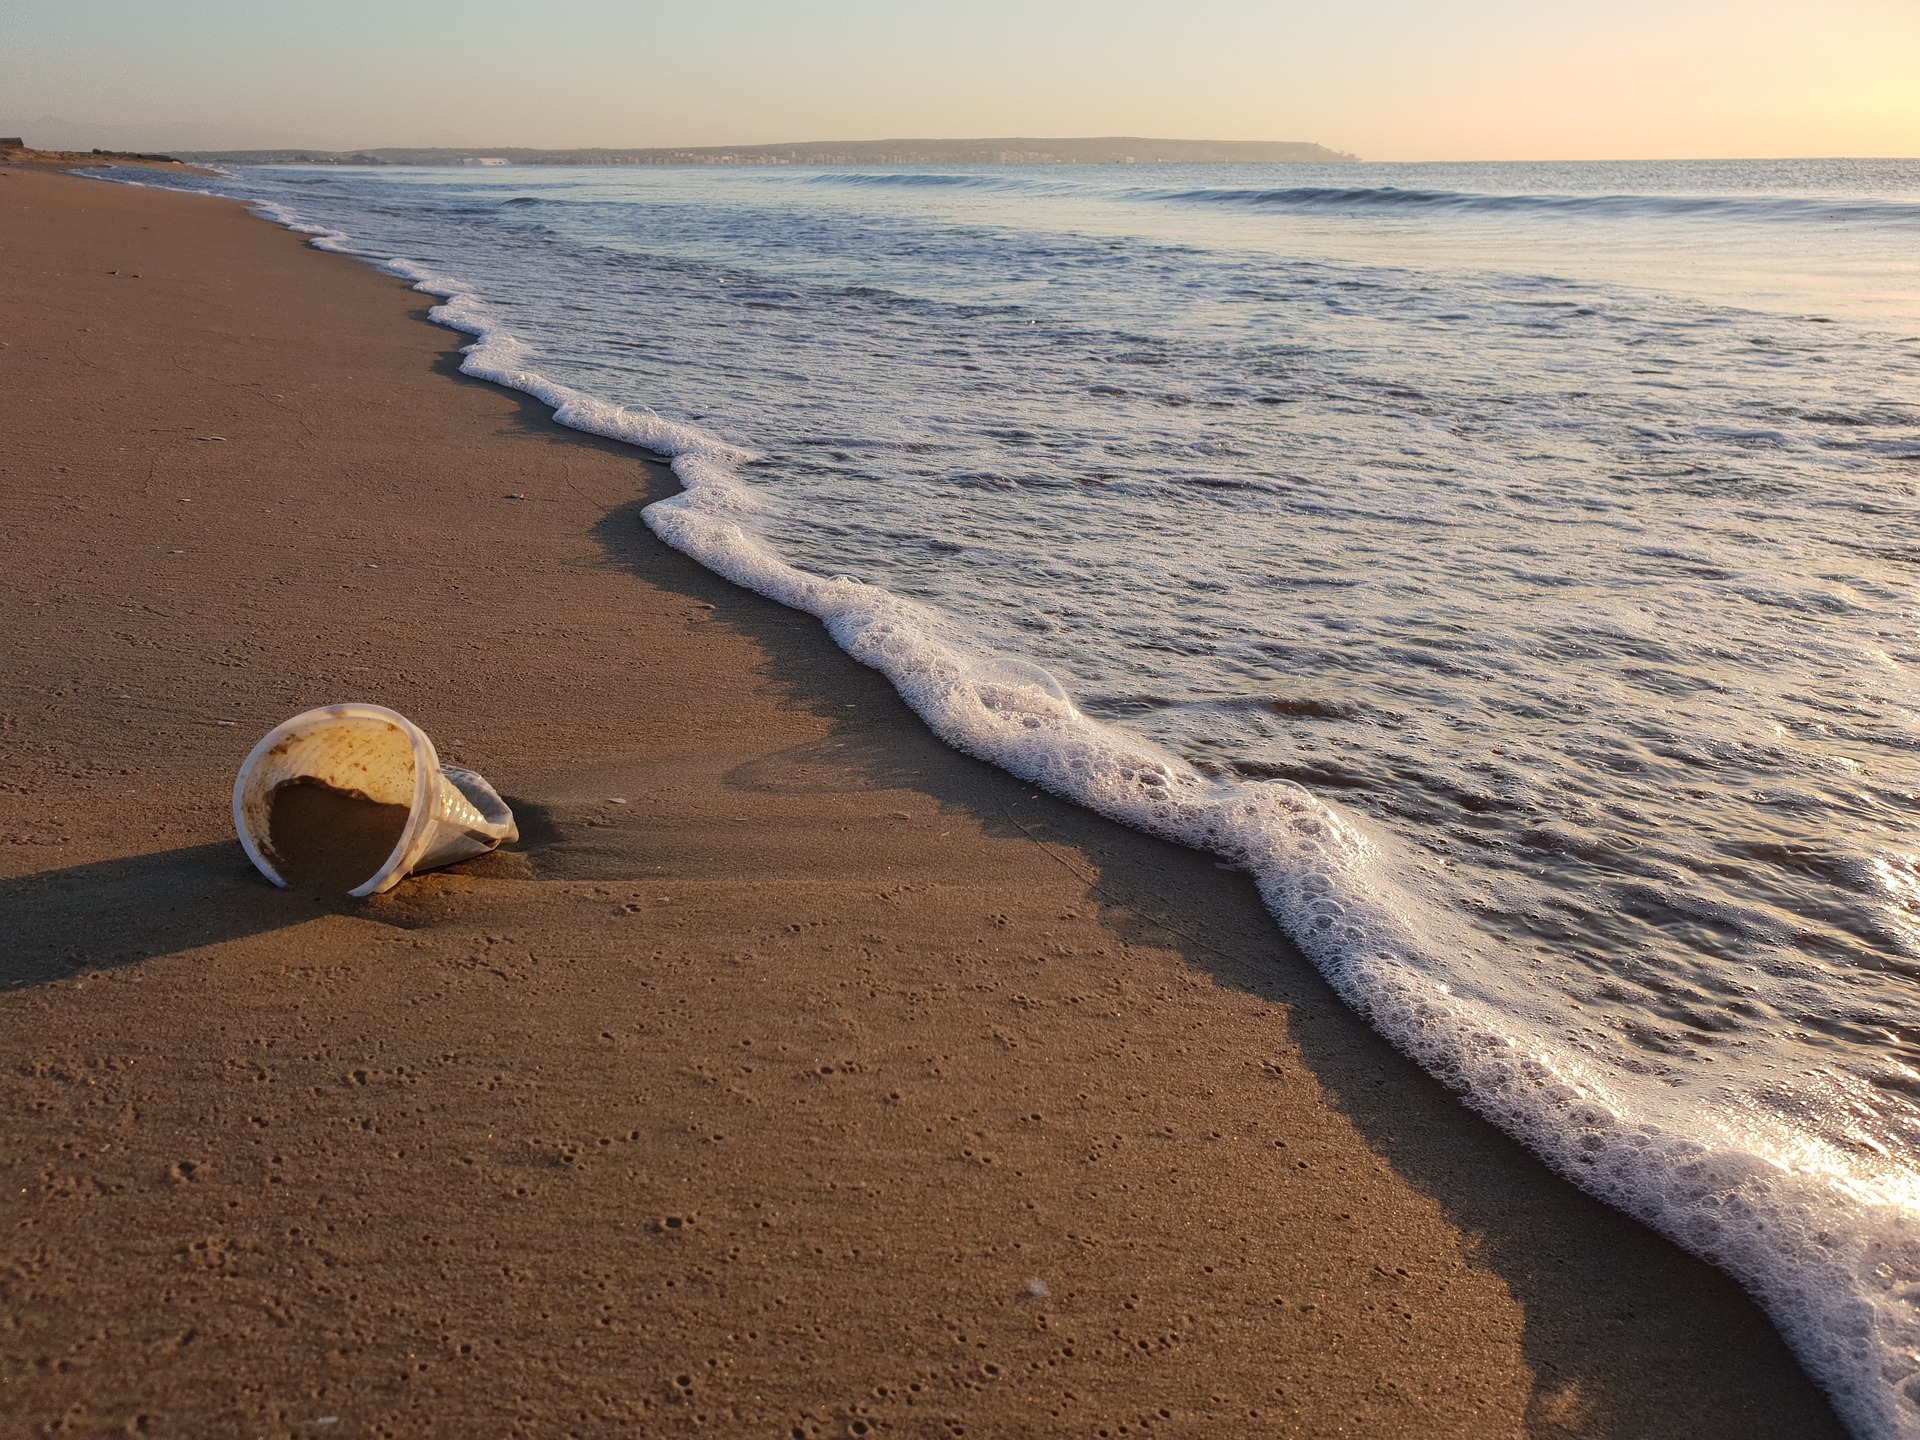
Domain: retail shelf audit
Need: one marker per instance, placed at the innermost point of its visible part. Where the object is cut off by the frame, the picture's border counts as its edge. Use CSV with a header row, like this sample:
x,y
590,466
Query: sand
x,y
328,840
793,1075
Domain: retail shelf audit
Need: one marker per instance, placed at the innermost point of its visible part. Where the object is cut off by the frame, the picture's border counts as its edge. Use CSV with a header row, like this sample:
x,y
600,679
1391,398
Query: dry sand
x,y
831,1084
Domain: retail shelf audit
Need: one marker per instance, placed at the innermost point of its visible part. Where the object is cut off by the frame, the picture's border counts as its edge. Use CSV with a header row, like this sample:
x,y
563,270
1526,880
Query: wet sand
x,y
792,1075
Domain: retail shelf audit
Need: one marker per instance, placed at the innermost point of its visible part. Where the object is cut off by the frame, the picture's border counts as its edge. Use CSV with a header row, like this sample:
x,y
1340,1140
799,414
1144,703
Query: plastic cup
x,y
452,814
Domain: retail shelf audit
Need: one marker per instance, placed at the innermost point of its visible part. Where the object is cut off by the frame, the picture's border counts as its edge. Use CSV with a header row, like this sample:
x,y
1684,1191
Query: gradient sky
x,y
1389,79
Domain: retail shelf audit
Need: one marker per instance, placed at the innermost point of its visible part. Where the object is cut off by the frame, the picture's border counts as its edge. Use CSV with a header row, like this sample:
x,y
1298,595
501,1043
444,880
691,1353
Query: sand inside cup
x,y
329,840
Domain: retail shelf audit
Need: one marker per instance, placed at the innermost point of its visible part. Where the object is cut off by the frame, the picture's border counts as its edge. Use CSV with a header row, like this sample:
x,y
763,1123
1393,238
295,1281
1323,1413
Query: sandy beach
x,y
792,1075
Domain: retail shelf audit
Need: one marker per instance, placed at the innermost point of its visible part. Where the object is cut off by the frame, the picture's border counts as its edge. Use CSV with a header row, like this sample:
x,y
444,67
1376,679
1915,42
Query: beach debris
x,y
515,495
616,800
210,437
1037,1288
354,798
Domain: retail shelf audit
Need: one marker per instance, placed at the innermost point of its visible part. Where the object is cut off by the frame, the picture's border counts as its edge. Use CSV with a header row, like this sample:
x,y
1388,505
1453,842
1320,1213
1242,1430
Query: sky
x,y
1386,79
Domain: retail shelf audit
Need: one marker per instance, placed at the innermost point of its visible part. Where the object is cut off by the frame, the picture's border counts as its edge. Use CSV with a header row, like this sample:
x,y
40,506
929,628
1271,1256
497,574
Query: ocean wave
x,y
922,180
1390,198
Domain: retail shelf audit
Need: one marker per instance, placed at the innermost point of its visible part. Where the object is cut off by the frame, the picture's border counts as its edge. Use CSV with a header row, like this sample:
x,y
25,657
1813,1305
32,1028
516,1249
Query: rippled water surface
x,y
1555,527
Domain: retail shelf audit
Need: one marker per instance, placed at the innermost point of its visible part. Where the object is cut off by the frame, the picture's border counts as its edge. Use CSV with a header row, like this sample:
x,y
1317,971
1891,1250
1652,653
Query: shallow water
x,y
1512,566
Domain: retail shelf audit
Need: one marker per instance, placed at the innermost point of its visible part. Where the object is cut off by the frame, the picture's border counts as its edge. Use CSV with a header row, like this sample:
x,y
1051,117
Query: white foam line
x,y
1824,1239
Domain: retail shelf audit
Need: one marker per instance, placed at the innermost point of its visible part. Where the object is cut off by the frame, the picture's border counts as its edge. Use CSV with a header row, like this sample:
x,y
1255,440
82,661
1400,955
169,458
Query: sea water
x,y
1513,567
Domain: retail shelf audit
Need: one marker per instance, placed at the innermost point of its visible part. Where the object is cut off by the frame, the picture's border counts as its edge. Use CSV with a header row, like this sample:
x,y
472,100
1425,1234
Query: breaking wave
x,y
1394,199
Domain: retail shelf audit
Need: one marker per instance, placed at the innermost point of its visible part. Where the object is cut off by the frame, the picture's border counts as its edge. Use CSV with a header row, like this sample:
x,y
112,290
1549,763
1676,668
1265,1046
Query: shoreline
x,y
1235,1196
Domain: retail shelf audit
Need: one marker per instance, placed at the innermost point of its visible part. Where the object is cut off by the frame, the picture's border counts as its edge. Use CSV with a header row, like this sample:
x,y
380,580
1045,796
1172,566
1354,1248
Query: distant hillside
x,y
1017,150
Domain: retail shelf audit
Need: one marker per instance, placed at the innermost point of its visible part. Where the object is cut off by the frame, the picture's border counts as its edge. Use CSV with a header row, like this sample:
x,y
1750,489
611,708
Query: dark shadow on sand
x,y
61,923
1631,1338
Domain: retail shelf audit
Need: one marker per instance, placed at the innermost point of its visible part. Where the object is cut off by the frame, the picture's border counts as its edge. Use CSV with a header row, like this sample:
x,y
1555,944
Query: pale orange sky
x,y
1389,79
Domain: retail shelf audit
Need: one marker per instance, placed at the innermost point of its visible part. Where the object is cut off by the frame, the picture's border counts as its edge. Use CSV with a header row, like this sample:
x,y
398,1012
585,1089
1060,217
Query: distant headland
x,y
1016,150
